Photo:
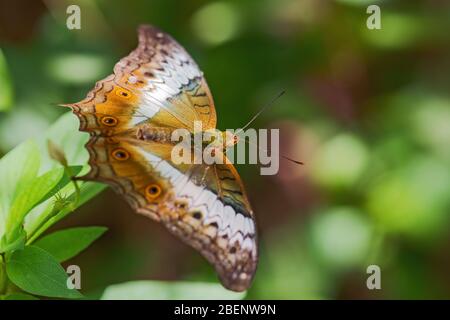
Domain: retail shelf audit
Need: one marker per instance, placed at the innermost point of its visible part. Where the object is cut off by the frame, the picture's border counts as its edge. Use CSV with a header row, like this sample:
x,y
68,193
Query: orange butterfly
x,y
130,116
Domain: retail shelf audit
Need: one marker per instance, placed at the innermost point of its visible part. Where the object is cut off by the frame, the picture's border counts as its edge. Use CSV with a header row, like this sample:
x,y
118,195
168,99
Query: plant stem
x,y
34,233
3,277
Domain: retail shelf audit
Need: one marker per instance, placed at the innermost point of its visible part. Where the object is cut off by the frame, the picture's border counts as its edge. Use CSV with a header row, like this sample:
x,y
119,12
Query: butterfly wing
x,y
206,206
157,84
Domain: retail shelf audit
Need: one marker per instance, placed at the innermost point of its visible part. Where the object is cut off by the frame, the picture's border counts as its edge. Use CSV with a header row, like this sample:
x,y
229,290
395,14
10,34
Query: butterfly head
x,y
230,139
221,140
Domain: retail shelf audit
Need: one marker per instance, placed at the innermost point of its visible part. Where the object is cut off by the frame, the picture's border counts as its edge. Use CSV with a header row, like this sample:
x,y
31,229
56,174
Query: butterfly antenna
x,y
265,150
261,111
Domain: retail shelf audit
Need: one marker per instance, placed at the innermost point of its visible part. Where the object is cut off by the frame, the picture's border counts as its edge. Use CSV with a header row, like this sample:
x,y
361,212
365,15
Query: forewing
x,y
157,84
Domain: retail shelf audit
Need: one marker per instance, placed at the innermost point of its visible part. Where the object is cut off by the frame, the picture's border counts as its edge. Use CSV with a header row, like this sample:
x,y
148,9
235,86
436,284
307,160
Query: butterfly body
x,y
131,116
156,134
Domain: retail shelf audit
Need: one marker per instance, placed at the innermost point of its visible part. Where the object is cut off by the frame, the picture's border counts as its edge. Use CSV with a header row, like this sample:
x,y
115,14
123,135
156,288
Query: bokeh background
x,y
368,111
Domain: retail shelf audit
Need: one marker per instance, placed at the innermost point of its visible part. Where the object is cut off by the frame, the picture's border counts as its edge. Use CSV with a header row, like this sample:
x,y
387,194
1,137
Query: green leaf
x,y
36,191
67,243
37,272
65,134
17,169
6,90
15,242
20,296
158,290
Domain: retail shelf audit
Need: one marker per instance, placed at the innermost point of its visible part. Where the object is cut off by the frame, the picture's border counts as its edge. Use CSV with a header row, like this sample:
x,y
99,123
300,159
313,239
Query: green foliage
x,y
19,296
17,169
333,245
30,203
77,68
67,243
340,162
413,200
36,271
36,191
6,91
158,290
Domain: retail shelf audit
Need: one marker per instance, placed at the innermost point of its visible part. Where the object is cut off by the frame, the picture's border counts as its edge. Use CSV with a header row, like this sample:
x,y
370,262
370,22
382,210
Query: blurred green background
x,y
368,111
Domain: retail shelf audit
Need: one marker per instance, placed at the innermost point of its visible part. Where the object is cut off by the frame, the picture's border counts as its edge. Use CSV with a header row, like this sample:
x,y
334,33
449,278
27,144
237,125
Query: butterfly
x,y
130,116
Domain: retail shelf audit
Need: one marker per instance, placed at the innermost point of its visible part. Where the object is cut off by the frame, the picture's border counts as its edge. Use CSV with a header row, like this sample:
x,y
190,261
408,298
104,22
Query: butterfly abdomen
x,y
156,134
